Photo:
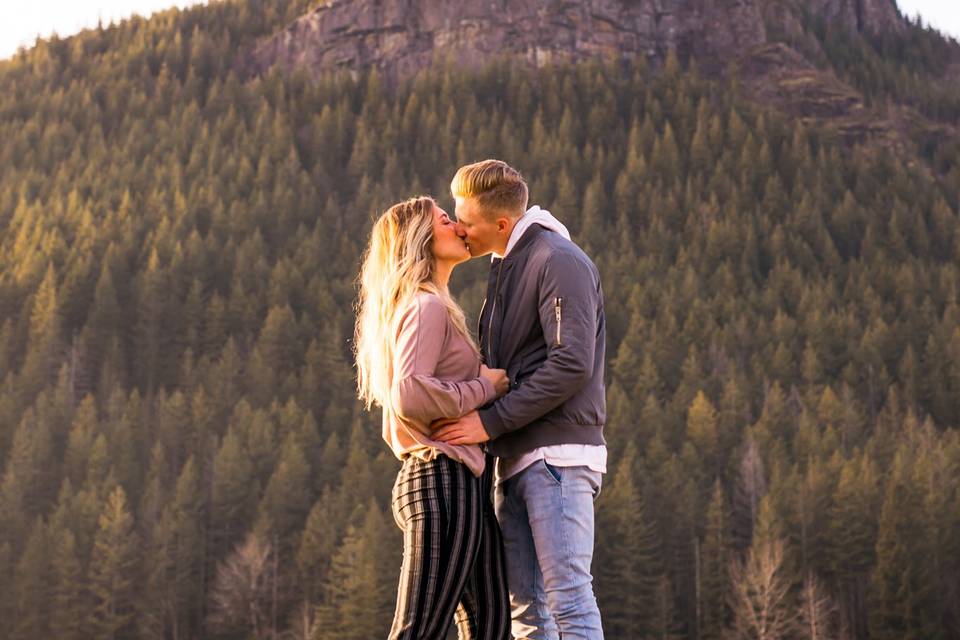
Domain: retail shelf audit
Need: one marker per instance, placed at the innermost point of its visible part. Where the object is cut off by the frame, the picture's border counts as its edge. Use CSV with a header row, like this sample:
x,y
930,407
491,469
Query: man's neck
x,y
502,249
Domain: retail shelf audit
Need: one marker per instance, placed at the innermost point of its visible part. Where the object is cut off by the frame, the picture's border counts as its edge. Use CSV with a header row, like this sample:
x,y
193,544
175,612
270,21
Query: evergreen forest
x,y
182,454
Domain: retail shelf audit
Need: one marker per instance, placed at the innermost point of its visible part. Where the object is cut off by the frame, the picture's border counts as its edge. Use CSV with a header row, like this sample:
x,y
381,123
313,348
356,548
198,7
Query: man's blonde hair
x,y
494,185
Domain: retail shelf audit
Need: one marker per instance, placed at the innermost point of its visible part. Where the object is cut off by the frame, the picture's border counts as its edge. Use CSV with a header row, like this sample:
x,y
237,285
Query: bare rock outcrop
x,y
873,16
400,36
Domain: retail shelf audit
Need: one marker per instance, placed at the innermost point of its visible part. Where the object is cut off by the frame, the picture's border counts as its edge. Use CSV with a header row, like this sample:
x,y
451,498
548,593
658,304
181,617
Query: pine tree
x,y
114,570
175,432
714,565
702,430
320,537
812,491
665,624
286,499
628,562
594,230
231,496
69,601
80,443
152,341
186,549
105,317
46,347
357,478
902,587
32,577
7,606
358,601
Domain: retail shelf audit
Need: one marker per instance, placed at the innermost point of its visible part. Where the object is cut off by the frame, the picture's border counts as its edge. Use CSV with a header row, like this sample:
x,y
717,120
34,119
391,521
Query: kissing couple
x,y
517,413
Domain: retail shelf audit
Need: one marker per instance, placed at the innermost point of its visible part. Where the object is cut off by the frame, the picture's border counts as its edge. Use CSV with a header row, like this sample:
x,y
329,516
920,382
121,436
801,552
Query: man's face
x,y
481,235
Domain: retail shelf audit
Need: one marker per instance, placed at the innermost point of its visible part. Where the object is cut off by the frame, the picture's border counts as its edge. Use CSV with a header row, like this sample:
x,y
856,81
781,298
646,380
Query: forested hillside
x,y
181,451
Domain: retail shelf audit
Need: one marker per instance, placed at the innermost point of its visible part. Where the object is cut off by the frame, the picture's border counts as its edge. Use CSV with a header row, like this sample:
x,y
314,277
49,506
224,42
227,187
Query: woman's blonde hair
x,y
398,263
495,185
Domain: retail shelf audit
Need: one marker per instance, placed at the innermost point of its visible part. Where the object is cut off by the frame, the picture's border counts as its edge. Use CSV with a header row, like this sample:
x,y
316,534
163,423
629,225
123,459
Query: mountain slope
x,y
771,43
179,245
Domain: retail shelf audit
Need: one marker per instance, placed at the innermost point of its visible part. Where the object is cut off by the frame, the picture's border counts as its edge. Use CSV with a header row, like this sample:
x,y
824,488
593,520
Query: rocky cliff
x,y
862,15
400,36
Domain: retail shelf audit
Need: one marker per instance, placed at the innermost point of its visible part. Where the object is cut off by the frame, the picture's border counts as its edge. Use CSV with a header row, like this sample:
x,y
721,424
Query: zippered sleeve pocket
x,y
558,311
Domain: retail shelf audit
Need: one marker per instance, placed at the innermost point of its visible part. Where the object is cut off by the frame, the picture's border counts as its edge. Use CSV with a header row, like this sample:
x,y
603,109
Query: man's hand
x,y
465,430
497,377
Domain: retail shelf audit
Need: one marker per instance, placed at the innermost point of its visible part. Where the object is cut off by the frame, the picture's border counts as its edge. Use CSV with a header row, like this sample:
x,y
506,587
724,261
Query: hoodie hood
x,y
534,215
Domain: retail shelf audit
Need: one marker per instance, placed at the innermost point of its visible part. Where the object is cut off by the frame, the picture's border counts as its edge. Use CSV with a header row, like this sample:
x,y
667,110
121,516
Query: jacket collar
x,y
528,238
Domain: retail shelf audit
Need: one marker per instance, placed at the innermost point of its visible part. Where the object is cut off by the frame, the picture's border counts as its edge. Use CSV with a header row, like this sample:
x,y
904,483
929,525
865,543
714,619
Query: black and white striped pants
x,y
452,554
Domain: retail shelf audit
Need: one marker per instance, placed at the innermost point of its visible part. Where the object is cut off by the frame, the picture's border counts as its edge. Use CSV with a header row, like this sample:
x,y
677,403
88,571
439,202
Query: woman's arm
x,y
417,394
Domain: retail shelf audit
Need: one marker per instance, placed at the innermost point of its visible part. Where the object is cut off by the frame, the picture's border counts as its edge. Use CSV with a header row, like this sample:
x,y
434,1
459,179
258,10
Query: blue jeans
x,y
546,515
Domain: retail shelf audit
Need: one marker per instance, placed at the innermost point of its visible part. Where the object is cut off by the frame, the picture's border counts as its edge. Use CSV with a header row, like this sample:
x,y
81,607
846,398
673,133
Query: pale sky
x,y
943,15
22,20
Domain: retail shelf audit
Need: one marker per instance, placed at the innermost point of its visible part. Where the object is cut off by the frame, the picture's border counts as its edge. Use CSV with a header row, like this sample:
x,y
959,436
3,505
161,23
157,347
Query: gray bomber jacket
x,y
543,322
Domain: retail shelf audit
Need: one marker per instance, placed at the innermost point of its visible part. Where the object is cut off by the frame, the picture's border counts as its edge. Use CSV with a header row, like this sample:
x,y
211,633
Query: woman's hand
x,y
498,377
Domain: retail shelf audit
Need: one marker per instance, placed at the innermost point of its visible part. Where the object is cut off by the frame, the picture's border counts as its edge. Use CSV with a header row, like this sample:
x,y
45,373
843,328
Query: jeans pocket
x,y
598,485
554,472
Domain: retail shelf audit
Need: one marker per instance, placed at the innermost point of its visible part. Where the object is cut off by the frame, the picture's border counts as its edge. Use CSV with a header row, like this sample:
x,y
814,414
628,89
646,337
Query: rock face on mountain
x,y
405,35
875,16
400,36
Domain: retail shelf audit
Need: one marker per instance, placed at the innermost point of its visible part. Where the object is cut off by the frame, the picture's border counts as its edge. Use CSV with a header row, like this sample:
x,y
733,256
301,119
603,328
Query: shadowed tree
x,y
32,580
902,584
240,597
358,596
70,601
749,489
114,571
714,567
317,545
628,566
46,346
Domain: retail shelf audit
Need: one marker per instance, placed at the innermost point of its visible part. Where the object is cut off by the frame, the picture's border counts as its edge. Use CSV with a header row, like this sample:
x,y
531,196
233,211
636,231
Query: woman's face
x,y
447,245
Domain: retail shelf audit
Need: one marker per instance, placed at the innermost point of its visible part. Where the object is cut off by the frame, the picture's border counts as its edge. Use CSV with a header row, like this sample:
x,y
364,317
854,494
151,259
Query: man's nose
x,y
460,230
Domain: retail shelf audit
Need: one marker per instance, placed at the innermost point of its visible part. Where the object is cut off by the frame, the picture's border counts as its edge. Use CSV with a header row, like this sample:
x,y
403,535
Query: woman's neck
x,y
441,275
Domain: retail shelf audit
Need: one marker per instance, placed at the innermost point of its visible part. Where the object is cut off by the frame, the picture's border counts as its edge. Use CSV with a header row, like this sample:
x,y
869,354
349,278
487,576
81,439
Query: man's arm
x,y
569,303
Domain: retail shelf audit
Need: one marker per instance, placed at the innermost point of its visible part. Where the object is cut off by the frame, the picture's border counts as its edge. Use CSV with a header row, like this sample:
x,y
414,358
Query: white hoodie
x,y
558,455
534,215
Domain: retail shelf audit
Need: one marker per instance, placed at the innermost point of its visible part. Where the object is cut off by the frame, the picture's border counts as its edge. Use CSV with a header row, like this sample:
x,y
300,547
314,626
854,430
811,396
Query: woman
x,y
416,359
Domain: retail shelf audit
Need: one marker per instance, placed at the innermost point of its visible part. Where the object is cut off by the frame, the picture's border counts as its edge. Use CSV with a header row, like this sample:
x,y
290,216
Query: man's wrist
x,y
491,422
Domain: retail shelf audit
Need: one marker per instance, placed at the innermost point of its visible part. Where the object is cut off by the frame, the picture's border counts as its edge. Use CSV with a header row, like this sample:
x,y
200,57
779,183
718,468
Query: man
x,y
543,322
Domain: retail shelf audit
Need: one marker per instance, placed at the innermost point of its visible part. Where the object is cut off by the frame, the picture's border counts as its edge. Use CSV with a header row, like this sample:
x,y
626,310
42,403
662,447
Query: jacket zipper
x,y
493,310
480,320
558,310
